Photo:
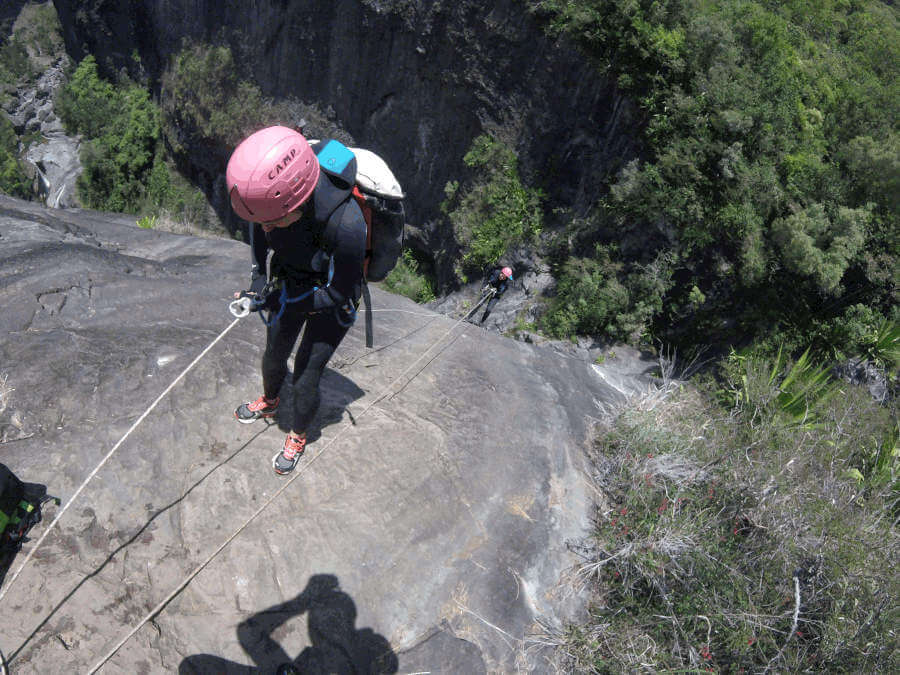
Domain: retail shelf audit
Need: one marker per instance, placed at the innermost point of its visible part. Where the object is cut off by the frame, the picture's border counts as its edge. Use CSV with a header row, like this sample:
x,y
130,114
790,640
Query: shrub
x,y
407,279
87,104
768,156
124,158
40,30
14,62
13,179
117,163
596,296
493,211
205,101
588,296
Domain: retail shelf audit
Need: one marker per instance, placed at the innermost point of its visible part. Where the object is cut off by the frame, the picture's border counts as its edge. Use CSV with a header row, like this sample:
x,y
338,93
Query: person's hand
x,y
256,293
257,286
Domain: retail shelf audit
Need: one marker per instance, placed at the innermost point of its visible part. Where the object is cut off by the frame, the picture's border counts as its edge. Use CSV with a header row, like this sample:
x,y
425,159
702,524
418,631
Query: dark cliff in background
x,y
414,81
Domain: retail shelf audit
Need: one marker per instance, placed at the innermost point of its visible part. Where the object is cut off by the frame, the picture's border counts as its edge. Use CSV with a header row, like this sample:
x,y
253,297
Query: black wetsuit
x,y
332,226
499,286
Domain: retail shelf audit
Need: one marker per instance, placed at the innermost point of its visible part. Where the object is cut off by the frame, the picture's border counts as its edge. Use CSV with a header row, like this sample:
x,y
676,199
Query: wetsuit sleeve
x,y
348,254
260,251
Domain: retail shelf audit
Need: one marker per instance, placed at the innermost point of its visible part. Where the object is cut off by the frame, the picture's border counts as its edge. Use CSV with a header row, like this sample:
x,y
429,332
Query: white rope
x,y
108,455
403,311
156,610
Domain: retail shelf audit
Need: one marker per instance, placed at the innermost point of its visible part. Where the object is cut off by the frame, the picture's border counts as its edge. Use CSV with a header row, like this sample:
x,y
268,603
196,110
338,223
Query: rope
x,y
110,454
472,311
156,610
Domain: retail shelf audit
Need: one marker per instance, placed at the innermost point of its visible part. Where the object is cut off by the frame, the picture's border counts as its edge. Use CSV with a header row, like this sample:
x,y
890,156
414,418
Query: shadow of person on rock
x,y
337,646
336,393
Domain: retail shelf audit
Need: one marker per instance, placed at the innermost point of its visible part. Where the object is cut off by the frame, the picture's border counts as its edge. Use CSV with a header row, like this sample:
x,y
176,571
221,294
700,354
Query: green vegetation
x,y
125,169
205,100
743,528
204,97
206,103
25,50
13,179
769,178
39,30
14,62
492,212
122,128
407,279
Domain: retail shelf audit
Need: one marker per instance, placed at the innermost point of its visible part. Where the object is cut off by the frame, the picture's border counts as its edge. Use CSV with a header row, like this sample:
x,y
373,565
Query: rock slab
x,y
426,529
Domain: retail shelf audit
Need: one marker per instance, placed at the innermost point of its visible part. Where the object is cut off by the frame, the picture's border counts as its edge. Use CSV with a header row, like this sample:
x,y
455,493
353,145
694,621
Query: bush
x,y
493,211
747,537
407,279
13,179
14,62
588,298
596,296
41,31
206,102
124,159
117,164
87,104
769,156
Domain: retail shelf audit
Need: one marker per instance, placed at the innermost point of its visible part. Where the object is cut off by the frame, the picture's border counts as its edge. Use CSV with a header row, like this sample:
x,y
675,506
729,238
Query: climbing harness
x,y
244,305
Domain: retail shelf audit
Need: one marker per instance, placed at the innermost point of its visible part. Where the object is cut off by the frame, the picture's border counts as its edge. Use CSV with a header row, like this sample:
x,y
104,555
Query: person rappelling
x,y
495,286
300,208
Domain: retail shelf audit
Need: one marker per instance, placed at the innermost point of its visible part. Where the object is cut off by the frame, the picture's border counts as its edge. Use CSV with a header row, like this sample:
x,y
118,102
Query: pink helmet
x,y
506,272
270,174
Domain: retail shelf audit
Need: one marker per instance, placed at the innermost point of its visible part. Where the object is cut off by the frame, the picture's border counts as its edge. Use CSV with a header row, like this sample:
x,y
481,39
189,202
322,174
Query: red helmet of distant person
x,y
271,173
506,272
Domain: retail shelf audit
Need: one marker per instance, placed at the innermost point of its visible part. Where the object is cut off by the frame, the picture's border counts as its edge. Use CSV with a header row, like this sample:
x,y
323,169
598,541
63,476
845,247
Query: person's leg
x,y
490,305
320,340
280,339
322,337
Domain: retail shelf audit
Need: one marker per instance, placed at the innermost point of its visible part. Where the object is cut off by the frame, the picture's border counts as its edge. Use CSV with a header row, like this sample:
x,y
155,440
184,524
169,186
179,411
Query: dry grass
x,y
5,392
180,224
737,539
11,426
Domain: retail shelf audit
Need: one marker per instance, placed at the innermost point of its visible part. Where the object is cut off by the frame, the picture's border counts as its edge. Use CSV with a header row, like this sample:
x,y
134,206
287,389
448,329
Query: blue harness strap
x,y
284,299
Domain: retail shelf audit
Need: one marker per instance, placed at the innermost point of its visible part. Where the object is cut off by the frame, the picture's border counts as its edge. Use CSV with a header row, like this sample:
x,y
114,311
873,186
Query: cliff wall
x,y
415,81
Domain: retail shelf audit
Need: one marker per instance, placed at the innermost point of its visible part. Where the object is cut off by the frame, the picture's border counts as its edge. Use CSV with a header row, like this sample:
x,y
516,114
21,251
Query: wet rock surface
x,y
54,158
426,529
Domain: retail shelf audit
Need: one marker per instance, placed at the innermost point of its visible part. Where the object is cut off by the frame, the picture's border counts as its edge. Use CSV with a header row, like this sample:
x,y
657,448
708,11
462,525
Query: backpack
x,y
380,198
20,510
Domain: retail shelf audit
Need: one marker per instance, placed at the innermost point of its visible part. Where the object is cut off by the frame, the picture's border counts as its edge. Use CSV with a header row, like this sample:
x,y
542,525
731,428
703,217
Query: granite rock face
x,y
426,529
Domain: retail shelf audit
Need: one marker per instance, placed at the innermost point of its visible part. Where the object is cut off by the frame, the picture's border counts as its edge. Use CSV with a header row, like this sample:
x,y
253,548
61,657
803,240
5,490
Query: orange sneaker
x,y
285,461
262,407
